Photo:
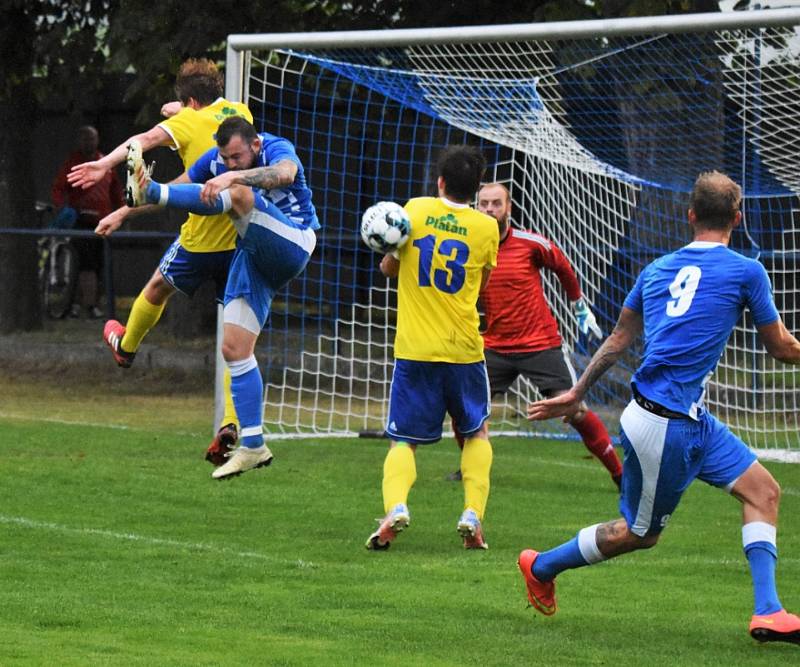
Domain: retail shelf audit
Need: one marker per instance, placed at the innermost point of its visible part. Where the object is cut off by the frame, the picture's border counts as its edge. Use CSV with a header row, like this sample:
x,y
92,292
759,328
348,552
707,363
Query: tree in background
x,y
67,48
47,48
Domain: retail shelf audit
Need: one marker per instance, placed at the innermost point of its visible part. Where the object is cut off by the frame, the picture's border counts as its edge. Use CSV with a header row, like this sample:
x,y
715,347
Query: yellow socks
x,y
143,317
476,463
399,475
229,417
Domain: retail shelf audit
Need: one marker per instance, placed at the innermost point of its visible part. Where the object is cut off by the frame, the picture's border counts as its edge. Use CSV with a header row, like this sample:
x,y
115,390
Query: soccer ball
x,y
385,226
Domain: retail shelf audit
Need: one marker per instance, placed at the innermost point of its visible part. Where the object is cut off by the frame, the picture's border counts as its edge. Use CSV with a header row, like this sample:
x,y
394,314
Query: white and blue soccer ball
x,y
385,226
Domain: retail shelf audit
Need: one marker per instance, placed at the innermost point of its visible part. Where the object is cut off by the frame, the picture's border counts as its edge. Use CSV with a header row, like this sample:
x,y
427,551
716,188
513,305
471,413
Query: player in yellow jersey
x,y
205,246
439,362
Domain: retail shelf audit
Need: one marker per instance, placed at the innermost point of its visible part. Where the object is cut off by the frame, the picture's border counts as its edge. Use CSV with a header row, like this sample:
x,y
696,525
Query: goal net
x,y
599,131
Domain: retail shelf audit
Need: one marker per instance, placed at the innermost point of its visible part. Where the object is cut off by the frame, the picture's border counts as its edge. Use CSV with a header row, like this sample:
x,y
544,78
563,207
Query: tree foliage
x,y
68,49
45,47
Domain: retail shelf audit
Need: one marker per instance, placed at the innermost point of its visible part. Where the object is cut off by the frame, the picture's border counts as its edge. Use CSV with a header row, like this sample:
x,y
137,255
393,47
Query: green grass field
x,y
118,549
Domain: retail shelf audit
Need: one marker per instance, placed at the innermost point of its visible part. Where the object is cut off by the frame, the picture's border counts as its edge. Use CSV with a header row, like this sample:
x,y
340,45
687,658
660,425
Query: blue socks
x,y
760,548
565,557
579,551
247,391
186,196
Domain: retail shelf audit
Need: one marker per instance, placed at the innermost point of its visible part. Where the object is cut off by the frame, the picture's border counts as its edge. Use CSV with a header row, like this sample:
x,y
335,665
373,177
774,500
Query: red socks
x,y
597,441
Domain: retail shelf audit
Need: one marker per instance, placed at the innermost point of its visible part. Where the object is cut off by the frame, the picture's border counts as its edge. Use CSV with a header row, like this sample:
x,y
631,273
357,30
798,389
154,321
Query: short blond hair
x,y
198,78
715,200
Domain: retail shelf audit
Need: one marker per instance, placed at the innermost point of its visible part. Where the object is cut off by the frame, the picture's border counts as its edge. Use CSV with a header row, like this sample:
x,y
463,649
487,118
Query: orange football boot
x,y
778,627
541,594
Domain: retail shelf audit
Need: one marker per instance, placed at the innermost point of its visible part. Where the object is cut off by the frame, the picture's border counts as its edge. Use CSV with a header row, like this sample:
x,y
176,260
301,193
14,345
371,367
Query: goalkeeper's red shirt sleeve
x,y
552,259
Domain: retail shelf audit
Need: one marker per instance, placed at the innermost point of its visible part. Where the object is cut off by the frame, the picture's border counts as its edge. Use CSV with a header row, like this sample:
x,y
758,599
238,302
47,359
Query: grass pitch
x,y
118,549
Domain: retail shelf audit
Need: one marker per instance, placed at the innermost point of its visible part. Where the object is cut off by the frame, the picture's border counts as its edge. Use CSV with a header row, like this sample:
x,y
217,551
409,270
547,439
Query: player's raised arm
x,y
87,174
628,328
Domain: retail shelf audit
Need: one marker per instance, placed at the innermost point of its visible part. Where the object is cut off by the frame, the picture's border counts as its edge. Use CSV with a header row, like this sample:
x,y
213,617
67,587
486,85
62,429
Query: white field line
x,y
133,537
77,422
652,559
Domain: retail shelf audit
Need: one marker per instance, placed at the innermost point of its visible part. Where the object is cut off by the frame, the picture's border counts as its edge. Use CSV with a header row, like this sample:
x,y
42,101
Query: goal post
x,y
598,128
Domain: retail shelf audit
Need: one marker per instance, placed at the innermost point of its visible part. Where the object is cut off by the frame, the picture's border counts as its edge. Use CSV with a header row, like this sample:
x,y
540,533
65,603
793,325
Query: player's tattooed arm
x,y
627,329
268,178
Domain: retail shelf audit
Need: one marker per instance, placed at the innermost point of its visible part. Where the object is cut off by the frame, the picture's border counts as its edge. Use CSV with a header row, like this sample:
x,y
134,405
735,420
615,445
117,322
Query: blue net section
x,y
599,141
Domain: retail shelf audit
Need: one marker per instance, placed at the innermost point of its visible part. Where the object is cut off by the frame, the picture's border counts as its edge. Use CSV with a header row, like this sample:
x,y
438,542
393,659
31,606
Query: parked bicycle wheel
x,y
60,278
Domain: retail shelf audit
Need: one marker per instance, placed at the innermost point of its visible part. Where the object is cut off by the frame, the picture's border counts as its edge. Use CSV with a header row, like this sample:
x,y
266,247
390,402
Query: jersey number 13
x,y
449,281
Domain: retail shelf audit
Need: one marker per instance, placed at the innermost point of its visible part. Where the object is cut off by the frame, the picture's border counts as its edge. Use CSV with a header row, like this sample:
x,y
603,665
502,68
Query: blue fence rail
x,y
108,262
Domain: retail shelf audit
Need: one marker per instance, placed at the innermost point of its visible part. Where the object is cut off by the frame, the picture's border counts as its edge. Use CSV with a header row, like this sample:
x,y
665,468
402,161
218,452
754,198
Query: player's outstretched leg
x,y
113,333
540,569
140,189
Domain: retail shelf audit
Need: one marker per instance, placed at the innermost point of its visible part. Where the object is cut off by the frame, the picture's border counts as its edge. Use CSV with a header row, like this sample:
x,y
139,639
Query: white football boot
x,y
138,176
242,460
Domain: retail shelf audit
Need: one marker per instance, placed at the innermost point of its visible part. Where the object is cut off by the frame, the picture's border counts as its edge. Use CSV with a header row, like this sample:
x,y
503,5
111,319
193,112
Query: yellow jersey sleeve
x,y
441,268
193,132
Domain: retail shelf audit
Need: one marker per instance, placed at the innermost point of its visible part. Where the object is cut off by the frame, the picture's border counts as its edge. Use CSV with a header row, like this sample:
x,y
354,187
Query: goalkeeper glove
x,y
586,319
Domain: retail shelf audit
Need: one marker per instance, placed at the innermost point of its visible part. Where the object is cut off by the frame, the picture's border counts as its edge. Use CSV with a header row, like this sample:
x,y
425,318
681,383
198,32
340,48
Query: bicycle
x,y
58,264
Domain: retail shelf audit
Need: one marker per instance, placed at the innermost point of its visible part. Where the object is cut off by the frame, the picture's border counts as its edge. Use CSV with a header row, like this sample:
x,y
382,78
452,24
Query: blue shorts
x,y
186,270
271,251
663,456
423,391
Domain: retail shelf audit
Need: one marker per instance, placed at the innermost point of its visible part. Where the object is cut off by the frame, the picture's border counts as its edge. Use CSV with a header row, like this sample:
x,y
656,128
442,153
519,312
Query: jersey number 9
x,y
682,289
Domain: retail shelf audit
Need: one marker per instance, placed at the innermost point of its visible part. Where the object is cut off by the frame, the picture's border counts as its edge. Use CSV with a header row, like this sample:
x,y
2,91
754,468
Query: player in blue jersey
x,y
259,181
687,303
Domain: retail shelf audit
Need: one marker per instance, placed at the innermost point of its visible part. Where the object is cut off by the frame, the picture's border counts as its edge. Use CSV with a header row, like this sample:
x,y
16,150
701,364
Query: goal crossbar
x,y
512,32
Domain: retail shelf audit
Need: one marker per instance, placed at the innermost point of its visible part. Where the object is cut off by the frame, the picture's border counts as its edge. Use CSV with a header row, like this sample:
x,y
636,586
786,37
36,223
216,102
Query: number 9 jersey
x,y
690,301
441,268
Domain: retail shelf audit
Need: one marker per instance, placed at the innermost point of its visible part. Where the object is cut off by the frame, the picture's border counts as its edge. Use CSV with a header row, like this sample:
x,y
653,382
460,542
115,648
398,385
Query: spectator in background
x,y
86,208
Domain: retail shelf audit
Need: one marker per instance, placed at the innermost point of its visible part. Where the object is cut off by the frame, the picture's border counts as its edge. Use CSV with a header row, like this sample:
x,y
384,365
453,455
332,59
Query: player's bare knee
x,y
648,541
769,496
242,199
228,351
158,290
234,350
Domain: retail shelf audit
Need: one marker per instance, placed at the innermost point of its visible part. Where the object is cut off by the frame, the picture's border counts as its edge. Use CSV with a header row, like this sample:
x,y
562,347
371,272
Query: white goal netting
x,y
599,140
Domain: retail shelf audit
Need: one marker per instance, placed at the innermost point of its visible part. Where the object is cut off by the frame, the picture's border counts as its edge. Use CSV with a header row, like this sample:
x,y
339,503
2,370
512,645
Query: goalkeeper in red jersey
x,y
521,336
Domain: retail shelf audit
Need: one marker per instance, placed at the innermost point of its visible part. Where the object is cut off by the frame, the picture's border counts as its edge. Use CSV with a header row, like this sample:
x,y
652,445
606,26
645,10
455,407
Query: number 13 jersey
x,y
441,267
690,301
